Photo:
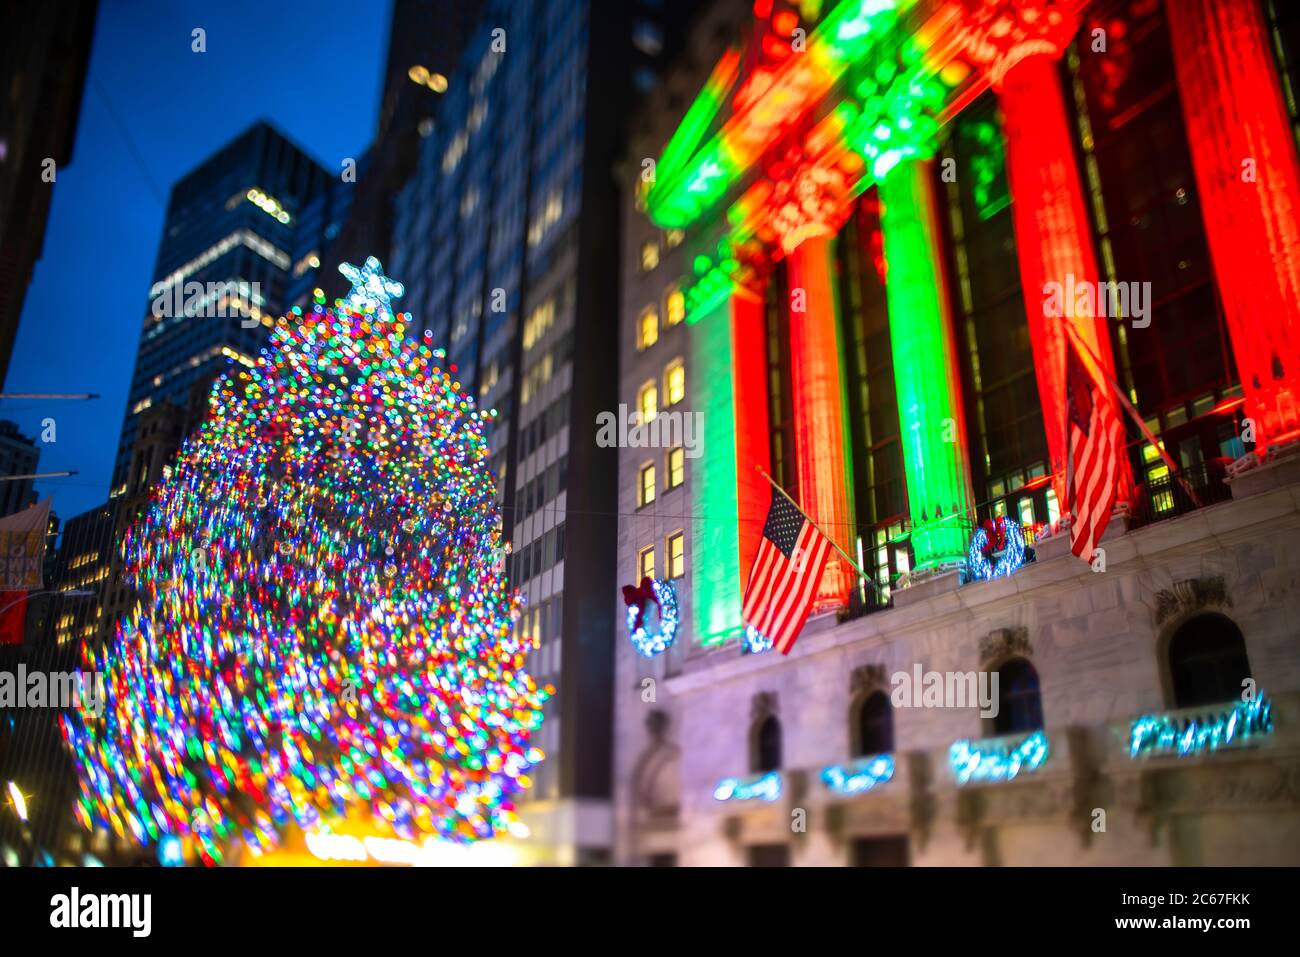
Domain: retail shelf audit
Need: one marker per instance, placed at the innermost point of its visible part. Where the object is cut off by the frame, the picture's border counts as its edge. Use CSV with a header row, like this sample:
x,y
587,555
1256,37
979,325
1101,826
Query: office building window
x,y
1020,705
648,401
674,306
1207,662
646,486
647,328
676,467
646,562
675,383
676,555
649,255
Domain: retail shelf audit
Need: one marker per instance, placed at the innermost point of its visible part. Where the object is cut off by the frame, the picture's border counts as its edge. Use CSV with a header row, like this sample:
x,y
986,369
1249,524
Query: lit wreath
x,y
664,597
1003,535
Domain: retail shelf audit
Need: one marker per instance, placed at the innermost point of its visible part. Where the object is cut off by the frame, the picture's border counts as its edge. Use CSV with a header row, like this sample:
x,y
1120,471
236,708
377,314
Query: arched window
x,y
767,745
874,732
1020,706
1207,661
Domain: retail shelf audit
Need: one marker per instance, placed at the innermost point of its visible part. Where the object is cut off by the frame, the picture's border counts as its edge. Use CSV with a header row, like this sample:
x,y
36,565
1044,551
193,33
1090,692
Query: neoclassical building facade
x,y
852,250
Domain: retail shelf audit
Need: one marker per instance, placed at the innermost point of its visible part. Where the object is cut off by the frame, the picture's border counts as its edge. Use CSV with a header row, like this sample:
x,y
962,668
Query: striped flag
x,y
1096,441
791,557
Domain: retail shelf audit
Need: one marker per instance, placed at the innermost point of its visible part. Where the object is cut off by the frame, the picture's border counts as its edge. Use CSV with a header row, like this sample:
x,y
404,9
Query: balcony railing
x,y
1167,497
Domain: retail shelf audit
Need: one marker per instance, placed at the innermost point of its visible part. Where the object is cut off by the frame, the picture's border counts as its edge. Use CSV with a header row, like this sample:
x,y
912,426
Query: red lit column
x,y
753,434
1019,43
1249,179
819,408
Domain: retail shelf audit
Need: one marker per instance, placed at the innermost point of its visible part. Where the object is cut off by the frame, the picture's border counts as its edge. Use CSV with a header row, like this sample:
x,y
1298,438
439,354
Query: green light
x,y
925,370
715,568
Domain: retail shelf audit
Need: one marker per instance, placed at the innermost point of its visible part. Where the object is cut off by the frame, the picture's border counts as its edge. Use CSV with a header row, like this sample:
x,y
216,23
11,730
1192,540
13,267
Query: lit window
x,y
676,555
646,562
648,402
675,383
649,255
647,329
674,238
676,467
675,307
646,491
1026,512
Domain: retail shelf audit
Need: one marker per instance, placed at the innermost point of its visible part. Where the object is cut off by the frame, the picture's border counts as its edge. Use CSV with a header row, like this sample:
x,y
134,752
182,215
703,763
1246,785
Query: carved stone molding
x,y
1186,597
867,678
1005,643
764,704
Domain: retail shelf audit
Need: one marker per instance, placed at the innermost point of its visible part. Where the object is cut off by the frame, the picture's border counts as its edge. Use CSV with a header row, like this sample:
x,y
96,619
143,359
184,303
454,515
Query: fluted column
x,y
818,391
1019,42
1248,176
926,377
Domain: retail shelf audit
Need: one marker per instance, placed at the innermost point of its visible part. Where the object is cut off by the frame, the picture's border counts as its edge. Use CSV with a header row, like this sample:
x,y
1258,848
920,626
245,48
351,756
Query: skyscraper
x,y
507,241
222,271
44,54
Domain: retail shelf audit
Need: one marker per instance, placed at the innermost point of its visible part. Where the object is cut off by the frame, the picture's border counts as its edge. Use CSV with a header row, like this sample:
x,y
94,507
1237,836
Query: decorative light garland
x,y
859,776
663,596
983,545
765,787
1161,734
323,629
755,642
995,760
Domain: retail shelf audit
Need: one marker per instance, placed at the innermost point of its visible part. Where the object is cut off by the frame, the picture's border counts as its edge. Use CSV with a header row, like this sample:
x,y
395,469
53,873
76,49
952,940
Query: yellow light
x,y
418,74
18,801
437,82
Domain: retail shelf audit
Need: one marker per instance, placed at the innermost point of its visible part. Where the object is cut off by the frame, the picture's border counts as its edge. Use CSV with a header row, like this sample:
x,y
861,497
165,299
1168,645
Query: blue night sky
x,y
313,69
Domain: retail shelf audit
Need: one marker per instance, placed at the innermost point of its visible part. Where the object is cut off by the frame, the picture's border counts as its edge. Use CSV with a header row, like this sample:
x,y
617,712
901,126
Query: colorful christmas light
x,y
323,629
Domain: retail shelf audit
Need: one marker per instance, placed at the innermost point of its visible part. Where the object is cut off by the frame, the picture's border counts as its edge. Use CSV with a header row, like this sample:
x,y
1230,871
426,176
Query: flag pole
x,y
1133,413
852,563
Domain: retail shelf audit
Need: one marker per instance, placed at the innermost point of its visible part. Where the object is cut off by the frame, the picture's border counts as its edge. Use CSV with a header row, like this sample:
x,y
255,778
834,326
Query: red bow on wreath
x,y
995,531
638,596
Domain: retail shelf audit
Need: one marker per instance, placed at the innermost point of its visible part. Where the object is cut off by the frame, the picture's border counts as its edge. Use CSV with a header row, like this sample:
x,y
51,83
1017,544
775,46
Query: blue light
x,y
860,776
766,787
1157,734
1013,556
650,643
170,852
755,642
995,759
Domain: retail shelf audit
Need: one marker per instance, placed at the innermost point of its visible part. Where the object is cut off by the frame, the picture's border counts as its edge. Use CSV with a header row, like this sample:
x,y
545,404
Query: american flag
x,y
1096,441
789,564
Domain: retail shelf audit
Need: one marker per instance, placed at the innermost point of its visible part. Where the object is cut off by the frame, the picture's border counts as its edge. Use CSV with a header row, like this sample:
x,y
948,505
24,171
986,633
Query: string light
x,y
323,630
1161,734
765,787
980,566
860,776
997,760
650,643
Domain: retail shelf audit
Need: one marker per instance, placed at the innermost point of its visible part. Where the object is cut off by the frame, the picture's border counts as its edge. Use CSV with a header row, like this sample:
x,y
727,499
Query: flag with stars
x,y
1096,440
791,557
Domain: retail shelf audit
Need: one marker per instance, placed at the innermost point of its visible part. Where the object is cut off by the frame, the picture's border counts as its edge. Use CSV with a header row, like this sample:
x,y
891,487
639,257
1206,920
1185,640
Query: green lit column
x,y
925,369
714,568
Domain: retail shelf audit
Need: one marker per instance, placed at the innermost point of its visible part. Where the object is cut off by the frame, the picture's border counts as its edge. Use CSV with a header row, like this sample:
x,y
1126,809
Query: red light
x,y
762,9
785,22
1227,405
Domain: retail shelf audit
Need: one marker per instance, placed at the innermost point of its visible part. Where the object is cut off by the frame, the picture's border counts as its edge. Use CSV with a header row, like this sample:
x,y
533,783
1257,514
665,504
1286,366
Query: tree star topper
x,y
369,284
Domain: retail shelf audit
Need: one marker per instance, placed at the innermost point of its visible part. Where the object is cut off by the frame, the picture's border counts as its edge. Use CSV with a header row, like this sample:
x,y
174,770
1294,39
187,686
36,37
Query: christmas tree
x,y
324,629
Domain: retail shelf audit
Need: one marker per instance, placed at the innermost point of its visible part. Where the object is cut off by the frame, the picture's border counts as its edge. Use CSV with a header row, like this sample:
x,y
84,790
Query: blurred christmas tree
x,y
324,627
